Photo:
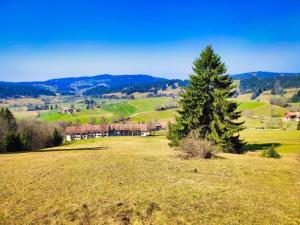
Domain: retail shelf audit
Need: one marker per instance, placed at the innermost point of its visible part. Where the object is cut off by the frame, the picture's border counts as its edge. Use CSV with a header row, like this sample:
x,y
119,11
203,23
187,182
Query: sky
x,y
41,40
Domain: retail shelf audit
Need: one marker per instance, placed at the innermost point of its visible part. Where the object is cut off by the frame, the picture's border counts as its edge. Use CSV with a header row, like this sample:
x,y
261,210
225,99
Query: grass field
x,y
84,116
256,114
287,141
136,180
265,96
120,109
148,104
166,115
113,109
250,105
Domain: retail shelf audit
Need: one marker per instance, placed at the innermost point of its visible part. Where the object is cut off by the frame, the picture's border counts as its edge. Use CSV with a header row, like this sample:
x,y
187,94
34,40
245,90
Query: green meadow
x,y
113,110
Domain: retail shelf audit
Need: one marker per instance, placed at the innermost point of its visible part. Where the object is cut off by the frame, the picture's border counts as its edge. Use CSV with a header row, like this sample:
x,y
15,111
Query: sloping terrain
x,y
136,180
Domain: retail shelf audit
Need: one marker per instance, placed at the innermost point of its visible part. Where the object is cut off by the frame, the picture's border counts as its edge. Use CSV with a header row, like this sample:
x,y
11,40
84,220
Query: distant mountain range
x,y
128,84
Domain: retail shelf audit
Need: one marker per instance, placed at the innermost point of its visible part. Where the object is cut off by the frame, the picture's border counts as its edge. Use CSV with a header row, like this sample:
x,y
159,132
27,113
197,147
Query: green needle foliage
x,y
204,106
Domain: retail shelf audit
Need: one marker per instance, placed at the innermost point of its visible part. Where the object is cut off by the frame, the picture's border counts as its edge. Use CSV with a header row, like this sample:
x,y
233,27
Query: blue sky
x,y
40,40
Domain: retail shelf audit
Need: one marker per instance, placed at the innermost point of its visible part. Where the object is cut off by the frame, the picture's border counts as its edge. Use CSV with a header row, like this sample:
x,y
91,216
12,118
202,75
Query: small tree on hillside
x,y
204,106
277,89
102,120
13,142
57,138
92,121
298,127
8,125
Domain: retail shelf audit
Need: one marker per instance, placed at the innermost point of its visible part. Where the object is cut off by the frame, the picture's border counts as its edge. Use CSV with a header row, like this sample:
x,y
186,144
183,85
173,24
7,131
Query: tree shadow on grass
x,y
58,150
72,149
258,147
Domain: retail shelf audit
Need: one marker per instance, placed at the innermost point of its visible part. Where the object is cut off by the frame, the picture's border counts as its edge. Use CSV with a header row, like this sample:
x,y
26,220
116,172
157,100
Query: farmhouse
x,y
69,110
96,131
292,116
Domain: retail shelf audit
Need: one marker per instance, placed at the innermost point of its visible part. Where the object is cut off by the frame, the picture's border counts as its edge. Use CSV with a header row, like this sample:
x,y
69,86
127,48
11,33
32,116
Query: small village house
x,y
69,110
292,116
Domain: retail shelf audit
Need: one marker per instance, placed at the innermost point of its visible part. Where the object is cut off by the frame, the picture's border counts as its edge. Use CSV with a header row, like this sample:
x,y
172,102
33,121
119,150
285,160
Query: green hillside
x,y
120,109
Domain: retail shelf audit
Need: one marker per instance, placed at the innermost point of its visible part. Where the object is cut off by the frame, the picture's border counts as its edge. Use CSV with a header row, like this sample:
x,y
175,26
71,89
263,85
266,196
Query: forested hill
x,y
16,90
262,74
262,81
94,85
128,84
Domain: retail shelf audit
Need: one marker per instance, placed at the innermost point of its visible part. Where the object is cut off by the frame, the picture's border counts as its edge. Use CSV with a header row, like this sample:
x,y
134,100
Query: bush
x,y
279,101
193,147
38,135
270,153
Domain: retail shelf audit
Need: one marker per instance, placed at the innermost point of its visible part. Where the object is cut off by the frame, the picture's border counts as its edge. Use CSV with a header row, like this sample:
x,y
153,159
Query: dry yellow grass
x,y
25,114
136,180
265,96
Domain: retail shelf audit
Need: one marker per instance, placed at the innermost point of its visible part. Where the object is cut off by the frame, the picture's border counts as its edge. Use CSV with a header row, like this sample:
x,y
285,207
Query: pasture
x,y
112,109
136,180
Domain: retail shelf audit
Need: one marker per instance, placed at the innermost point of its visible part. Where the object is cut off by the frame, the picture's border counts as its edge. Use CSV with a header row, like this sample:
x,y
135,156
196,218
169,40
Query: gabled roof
x,y
128,126
292,114
86,129
105,128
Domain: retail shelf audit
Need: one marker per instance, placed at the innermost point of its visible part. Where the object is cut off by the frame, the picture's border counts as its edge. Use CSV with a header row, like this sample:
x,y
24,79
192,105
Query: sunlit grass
x,y
137,179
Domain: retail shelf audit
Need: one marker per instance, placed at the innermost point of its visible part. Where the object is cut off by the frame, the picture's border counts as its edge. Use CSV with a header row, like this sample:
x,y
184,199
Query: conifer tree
x,y
298,126
205,108
57,138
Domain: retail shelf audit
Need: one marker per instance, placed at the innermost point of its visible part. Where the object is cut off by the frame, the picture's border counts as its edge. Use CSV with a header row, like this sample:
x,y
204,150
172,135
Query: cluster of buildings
x,y
69,110
290,116
97,131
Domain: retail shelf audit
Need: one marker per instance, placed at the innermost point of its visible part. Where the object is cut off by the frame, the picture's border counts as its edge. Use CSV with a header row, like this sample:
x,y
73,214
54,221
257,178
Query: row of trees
x,y
26,135
31,107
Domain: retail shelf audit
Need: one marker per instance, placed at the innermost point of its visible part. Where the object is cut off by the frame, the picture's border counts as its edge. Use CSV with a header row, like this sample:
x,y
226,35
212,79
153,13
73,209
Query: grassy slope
x,y
148,104
83,116
166,115
265,96
141,180
288,141
250,105
120,109
111,110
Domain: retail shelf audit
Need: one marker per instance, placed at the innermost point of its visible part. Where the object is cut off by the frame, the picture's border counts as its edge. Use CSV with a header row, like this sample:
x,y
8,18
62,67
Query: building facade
x,y
97,131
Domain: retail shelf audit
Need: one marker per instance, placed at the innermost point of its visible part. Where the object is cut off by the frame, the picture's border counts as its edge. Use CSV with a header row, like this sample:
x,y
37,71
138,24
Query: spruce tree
x,y
57,138
205,108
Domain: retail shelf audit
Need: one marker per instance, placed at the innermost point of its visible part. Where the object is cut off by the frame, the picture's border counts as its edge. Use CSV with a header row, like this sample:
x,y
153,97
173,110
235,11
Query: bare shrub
x,y
37,134
276,100
249,114
196,148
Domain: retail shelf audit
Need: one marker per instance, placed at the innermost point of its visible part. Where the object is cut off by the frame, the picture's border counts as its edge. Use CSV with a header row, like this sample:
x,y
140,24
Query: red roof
x,y
86,129
292,115
105,128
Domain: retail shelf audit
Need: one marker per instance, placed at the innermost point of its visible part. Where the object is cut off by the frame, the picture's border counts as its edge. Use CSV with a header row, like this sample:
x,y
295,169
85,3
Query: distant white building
x,y
69,110
97,131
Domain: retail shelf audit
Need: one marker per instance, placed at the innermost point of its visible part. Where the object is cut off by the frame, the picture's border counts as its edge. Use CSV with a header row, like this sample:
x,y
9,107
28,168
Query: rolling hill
x,y
128,84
